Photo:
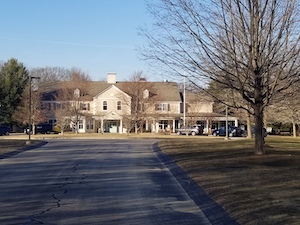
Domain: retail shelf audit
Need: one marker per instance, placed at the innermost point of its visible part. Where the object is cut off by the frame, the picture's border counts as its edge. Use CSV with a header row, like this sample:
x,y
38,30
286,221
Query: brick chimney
x,y
111,78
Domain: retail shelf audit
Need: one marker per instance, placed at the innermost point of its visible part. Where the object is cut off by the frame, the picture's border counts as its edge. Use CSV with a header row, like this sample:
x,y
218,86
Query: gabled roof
x,y
164,91
109,87
167,91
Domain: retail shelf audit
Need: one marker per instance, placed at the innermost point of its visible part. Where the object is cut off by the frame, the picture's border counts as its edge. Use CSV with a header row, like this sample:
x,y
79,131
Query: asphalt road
x,y
99,182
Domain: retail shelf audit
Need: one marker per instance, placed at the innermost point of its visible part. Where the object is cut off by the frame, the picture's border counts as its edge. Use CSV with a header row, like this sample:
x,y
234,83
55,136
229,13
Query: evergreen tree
x,y
13,79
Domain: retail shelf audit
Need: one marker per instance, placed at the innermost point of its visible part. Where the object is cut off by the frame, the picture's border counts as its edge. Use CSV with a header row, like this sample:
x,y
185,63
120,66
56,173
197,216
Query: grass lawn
x,y
253,189
10,145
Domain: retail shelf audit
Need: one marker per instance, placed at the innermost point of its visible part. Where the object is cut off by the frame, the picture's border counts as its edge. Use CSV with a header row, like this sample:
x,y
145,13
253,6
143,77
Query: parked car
x,y
191,130
264,132
232,131
41,129
4,130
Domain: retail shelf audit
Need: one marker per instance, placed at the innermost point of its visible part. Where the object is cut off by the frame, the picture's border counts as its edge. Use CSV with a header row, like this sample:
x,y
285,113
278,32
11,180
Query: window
x,y
163,124
145,94
85,106
89,125
80,124
76,93
119,105
163,107
58,105
104,104
52,122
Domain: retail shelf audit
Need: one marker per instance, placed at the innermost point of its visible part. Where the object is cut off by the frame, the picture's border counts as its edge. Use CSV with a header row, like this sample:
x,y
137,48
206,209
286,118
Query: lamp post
x,y
227,136
227,130
184,102
28,142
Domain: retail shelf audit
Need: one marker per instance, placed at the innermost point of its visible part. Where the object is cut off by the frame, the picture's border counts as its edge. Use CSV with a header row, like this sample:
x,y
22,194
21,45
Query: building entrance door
x,y
111,126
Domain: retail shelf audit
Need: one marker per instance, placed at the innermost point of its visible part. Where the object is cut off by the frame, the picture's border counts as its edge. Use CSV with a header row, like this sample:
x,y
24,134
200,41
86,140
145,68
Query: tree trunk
x,y
259,137
136,127
258,117
33,128
76,128
249,130
294,130
62,128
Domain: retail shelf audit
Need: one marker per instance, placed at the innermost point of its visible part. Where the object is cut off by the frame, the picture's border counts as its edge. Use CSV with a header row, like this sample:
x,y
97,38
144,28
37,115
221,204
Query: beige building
x,y
112,107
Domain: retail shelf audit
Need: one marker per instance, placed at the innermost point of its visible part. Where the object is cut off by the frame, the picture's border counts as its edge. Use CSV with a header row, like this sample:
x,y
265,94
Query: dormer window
x,y
145,94
76,93
162,107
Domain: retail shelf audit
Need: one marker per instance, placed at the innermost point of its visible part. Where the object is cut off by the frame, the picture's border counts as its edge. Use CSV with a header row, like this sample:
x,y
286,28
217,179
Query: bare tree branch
x,y
250,47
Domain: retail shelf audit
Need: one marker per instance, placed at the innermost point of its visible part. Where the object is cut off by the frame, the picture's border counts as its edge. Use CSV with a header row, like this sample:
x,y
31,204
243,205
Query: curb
x,y
212,210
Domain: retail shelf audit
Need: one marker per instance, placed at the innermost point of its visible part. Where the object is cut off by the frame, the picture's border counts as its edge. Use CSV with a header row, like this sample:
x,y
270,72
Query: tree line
x,y
15,89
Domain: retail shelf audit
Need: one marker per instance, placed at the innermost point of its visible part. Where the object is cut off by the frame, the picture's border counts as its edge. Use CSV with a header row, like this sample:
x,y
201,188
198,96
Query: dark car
x,y
41,129
4,130
232,132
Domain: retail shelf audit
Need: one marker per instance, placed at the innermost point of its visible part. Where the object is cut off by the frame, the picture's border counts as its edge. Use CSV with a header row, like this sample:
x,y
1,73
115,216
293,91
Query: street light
x,y
30,109
227,130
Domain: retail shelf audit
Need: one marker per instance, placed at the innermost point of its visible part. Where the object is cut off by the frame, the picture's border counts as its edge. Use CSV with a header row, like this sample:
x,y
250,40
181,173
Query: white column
x,y
121,127
147,125
207,126
153,126
173,126
102,131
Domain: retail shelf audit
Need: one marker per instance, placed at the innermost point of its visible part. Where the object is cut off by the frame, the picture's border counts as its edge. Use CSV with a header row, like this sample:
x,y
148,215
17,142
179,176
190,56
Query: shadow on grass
x,y
254,189
212,210
14,147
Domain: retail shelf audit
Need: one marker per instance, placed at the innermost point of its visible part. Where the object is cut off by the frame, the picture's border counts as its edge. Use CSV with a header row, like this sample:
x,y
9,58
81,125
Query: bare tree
x,y
251,47
71,96
142,99
287,108
38,113
50,74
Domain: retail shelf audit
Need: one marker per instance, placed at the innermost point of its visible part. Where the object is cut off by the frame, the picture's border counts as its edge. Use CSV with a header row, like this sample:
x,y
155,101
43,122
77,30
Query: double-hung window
x,y
80,124
163,107
104,105
119,105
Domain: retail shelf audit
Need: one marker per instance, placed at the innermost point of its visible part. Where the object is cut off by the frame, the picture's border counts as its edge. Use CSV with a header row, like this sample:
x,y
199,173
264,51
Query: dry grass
x,y
11,145
253,189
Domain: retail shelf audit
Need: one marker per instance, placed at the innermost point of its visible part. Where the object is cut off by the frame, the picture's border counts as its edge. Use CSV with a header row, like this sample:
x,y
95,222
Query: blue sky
x,y
96,36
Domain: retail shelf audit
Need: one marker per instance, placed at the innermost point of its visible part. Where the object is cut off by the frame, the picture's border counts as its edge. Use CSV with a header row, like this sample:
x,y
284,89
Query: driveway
x,y
93,182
